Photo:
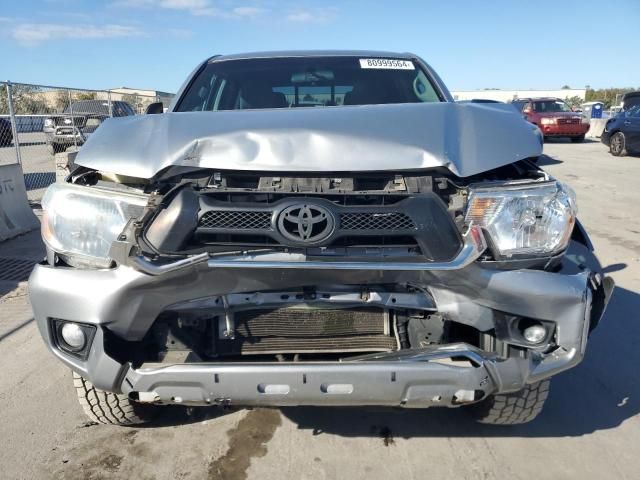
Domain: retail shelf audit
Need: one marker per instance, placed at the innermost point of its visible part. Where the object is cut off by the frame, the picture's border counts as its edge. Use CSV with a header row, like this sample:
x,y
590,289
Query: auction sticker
x,y
387,63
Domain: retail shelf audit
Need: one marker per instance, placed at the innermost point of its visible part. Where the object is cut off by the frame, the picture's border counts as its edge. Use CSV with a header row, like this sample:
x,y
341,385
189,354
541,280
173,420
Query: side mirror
x,y
154,108
527,110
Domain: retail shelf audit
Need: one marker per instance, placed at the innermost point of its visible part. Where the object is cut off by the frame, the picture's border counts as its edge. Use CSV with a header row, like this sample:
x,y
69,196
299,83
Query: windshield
x,y
99,107
547,106
306,82
89,106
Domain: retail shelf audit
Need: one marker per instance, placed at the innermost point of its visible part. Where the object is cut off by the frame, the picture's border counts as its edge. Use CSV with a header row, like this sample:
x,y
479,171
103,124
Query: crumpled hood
x,y
465,138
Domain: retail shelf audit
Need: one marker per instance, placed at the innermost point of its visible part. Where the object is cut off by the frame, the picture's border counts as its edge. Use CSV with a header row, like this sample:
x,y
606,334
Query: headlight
x,y
527,220
547,121
81,223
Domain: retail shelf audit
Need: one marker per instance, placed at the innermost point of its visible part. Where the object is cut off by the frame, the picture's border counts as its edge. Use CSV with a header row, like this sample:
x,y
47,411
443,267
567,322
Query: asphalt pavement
x,y
589,428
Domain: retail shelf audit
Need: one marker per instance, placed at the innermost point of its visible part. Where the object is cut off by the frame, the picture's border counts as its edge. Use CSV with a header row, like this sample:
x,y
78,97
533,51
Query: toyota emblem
x,y
305,223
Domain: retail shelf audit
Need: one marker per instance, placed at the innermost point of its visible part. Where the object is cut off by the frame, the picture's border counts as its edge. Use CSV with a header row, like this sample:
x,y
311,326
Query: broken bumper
x,y
125,301
446,375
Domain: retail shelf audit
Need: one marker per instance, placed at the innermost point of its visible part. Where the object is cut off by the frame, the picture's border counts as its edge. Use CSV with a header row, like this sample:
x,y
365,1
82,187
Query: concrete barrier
x,y
596,127
16,216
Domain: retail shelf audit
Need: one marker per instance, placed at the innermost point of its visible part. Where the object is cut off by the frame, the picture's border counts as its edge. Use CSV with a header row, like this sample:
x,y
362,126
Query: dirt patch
x,y
111,463
130,436
101,458
246,441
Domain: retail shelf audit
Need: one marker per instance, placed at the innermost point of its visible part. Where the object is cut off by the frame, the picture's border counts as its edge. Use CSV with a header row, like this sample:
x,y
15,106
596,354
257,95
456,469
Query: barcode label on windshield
x,y
387,63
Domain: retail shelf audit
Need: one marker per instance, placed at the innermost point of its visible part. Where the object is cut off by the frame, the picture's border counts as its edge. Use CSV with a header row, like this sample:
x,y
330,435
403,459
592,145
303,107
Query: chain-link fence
x,y
39,121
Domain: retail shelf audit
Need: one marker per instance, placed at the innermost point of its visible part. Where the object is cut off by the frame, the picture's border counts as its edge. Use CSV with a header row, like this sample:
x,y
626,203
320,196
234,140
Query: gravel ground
x,y
589,428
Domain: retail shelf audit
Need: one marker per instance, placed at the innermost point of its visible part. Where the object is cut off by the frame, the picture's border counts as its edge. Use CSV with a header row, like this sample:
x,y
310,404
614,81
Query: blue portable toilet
x,y
592,110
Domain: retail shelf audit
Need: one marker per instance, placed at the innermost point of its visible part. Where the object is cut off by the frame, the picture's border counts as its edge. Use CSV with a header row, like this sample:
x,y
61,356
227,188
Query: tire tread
x,y
108,407
513,408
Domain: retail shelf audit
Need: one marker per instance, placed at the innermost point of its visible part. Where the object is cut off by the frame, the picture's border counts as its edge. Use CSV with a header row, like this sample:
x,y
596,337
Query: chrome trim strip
x,y
474,245
151,268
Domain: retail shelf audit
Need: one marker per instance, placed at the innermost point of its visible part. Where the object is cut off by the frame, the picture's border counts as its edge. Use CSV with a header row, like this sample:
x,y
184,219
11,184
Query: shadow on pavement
x,y
568,140
18,256
15,329
547,160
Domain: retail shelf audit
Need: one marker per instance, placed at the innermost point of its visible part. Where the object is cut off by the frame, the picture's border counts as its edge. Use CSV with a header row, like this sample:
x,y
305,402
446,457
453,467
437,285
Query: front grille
x,y
568,121
415,225
376,221
300,330
237,220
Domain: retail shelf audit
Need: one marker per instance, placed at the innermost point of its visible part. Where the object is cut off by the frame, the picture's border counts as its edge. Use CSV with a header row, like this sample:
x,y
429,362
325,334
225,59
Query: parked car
x,y
622,132
78,121
480,100
6,134
553,117
388,246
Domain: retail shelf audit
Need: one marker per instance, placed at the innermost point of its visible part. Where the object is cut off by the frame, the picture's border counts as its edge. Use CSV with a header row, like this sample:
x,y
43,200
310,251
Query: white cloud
x,y
133,3
33,34
315,15
248,11
198,8
184,4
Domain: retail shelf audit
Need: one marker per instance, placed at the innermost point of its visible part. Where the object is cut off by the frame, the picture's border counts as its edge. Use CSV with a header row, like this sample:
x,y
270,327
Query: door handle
x,y
627,122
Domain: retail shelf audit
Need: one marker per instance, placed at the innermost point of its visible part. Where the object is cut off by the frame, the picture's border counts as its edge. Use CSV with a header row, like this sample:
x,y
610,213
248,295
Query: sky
x,y
155,44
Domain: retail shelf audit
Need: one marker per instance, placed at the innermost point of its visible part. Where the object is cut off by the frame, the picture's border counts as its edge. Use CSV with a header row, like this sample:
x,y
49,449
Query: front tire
x,y
513,408
111,408
618,145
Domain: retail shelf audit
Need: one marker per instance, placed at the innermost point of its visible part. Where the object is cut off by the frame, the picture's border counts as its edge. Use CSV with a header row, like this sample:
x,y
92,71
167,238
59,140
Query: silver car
x,y
315,228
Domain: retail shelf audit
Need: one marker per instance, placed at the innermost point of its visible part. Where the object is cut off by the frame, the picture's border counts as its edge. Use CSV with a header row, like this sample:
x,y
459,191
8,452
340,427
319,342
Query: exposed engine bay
x,y
375,217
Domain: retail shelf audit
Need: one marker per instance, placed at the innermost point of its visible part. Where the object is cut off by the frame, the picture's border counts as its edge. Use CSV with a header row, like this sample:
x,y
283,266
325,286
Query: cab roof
x,y
313,53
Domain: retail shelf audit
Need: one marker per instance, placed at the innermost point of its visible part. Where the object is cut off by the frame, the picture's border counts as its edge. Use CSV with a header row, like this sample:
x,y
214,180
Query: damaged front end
x,y
415,289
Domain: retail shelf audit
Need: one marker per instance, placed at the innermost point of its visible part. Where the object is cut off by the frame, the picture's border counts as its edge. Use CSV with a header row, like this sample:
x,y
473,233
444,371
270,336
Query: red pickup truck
x,y
553,117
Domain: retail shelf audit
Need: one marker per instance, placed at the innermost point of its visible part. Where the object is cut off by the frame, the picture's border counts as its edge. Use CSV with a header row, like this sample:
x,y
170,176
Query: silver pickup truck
x,y
315,228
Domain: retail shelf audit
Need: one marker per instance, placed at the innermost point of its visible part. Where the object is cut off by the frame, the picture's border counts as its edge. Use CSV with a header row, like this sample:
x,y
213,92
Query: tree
x,y
62,100
566,87
574,102
27,99
86,96
609,96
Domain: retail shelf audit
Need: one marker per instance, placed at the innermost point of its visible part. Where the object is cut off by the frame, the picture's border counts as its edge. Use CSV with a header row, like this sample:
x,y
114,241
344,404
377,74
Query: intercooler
x,y
307,330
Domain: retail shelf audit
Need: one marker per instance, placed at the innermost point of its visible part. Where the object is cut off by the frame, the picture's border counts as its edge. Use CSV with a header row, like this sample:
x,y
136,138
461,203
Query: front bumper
x,y
68,139
413,378
568,130
126,301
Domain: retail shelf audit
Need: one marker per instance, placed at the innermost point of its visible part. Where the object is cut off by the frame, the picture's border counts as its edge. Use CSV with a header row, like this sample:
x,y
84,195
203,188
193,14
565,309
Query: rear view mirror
x,y
154,108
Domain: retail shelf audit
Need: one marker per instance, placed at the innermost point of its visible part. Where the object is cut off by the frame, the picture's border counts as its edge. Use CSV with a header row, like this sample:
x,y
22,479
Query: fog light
x,y
73,336
534,333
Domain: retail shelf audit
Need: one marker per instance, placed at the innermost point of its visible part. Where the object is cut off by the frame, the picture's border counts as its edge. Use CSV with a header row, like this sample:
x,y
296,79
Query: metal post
x,y
110,105
73,120
14,127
